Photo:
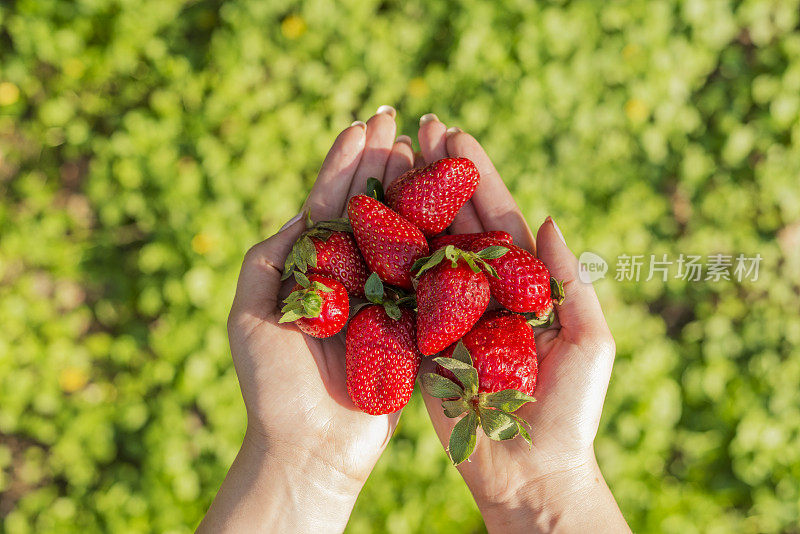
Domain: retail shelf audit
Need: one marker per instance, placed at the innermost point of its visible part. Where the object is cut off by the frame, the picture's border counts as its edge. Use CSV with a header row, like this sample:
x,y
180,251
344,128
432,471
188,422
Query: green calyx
x,y
375,189
475,260
557,296
493,412
304,302
304,254
557,291
391,299
542,321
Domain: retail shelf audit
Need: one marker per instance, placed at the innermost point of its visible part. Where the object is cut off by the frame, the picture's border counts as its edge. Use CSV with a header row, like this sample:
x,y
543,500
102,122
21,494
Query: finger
x,y
577,379
327,197
401,159
431,135
466,220
493,203
580,314
381,130
441,423
419,159
260,276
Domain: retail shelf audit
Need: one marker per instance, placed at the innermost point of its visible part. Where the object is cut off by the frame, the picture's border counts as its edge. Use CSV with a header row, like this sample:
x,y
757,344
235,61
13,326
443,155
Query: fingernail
x,y
389,110
557,229
404,139
453,130
293,220
359,123
428,118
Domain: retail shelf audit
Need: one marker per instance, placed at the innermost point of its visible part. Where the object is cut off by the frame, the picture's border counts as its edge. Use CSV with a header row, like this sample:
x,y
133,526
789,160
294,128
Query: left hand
x,y
308,450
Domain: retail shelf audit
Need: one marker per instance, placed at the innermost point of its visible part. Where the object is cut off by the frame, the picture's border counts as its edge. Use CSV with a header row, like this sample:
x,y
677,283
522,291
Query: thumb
x,y
441,423
580,313
260,276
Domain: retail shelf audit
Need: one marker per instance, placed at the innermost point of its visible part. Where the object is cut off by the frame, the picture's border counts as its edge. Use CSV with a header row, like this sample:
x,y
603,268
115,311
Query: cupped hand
x,y
511,482
293,384
307,445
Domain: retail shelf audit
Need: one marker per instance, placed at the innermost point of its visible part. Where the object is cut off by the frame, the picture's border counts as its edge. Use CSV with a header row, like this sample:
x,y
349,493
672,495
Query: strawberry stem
x,y
493,412
475,260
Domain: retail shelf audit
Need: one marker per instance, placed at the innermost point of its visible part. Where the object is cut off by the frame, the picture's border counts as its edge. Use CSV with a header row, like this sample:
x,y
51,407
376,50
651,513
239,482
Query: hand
x,y
557,481
308,450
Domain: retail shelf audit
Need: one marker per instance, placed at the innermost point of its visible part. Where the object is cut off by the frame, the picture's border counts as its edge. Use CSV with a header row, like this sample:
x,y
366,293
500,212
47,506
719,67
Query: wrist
x,y
302,485
559,500
273,487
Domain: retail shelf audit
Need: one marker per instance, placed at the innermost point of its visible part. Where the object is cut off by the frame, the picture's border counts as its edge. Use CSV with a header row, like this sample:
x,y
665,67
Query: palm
x,y
566,413
294,388
563,421
294,385
575,355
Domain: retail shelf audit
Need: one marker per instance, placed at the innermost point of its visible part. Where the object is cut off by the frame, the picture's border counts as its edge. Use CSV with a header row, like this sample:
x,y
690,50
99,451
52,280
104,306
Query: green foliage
x,y
144,146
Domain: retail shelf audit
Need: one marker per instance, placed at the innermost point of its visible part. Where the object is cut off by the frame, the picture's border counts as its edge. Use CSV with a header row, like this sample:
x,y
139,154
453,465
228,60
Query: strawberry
x,y
317,305
489,374
523,283
431,196
389,243
449,302
452,294
381,359
503,351
464,241
328,248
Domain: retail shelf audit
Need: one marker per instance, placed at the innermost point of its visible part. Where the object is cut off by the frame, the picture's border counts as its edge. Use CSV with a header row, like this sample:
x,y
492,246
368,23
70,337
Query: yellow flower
x,y
9,93
636,110
202,243
630,51
74,68
293,26
418,88
72,379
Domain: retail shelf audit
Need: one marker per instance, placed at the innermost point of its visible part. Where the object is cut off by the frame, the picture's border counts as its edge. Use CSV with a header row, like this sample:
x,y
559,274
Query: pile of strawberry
x,y
427,294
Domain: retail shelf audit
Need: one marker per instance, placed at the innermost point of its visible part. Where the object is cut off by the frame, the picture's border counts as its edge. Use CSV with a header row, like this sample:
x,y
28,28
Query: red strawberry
x,y
389,243
449,302
339,258
523,282
329,248
452,294
382,359
464,241
318,305
489,375
431,196
503,351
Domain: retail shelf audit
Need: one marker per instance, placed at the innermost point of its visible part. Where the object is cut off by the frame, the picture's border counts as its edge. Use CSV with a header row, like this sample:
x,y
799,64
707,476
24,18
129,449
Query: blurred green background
x,y
146,144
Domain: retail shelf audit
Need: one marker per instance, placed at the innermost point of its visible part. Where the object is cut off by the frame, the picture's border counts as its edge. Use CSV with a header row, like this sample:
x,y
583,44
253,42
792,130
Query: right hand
x,y
517,488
